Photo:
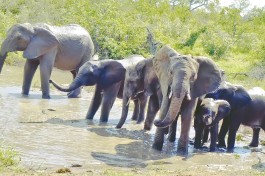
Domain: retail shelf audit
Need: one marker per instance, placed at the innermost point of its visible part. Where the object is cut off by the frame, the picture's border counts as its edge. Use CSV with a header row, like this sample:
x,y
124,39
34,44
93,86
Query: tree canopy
x,y
123,27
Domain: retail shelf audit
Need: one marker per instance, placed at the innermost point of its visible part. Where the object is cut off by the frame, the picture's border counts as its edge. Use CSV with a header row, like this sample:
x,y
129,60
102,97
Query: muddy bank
x,y
53,134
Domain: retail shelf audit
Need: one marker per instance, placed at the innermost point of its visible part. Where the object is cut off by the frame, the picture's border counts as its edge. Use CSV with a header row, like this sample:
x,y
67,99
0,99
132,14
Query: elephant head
x,y
133,83
33,40
236,95
183,77
212,111
102,73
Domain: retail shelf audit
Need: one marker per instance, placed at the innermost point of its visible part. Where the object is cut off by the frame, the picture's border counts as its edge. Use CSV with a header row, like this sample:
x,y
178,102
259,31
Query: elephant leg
x,y
109,97
46,65
142,104
186,118
198,135
95,103
77,92
255,137
173,130
205,135
153,107
214,134
30,68
160,132
136,110
223,131
232,135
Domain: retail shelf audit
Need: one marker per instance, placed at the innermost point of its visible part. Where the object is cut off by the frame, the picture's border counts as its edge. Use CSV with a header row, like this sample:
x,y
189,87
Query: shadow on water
x,y
260,166
132,154
35,96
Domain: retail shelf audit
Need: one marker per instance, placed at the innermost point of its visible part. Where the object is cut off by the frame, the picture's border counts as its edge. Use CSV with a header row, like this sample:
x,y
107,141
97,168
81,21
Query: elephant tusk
x,y
188,97
128,102
139,93
170,94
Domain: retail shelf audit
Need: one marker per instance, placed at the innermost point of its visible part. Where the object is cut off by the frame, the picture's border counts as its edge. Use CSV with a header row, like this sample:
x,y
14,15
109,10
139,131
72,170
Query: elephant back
x,y
131,60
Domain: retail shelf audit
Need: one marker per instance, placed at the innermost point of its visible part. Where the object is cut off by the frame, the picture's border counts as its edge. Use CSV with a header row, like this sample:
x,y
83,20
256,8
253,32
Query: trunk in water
x,y
125,108
74,85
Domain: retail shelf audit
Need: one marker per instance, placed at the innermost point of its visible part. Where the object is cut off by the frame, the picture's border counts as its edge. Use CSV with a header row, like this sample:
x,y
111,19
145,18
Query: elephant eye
x,y
19,37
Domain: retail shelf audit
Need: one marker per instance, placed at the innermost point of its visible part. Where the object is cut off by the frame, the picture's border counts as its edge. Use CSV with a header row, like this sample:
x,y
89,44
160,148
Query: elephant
x,y
65,47
247,109
207,116
140,83
108,77
183,79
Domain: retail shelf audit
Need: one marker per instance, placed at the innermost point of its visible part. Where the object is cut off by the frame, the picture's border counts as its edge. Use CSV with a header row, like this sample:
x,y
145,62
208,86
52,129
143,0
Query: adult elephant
x,y
247,109
182,79
108,76
140,83
66,47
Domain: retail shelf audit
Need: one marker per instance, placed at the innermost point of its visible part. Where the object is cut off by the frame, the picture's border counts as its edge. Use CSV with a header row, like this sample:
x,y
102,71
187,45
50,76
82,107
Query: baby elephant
x,y
207,116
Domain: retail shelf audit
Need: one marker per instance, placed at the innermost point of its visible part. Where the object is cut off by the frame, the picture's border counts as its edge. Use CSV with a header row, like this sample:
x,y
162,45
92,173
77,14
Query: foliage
x,y
8,157
119,27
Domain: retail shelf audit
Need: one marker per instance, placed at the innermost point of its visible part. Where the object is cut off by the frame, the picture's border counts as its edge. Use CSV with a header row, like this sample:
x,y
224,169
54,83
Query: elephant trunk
x,y
2,61
172,113
4,50
177,94
125,108
74,85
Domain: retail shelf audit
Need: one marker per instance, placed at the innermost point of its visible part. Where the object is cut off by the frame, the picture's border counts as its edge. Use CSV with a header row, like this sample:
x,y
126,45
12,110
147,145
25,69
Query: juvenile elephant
x,y
207,116
182,79
66,47
108,76
141,82
246,109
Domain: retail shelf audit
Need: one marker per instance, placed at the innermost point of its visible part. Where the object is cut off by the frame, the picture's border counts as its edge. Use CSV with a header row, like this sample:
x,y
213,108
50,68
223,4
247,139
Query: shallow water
x,y
50,134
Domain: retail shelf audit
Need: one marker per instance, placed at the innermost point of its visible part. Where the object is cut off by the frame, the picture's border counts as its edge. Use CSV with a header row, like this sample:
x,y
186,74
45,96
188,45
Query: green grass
x,y
243,72
9,159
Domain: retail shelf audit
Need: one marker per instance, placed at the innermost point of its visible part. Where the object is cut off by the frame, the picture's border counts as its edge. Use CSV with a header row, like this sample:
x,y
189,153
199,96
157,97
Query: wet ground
x,y
53,134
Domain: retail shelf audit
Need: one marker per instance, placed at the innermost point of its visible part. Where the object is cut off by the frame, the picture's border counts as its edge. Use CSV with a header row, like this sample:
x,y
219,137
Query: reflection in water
x,y
51,133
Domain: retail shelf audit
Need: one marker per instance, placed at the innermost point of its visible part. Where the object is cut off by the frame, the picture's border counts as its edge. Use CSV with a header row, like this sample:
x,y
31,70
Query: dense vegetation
x,y
233,36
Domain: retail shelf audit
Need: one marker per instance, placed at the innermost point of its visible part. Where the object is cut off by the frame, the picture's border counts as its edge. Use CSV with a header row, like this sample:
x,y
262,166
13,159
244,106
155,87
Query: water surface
x,y
50,134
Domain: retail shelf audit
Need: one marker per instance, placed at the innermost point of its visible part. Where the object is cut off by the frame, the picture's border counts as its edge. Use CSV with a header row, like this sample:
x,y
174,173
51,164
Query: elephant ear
x,y
208,79
161,64
43,41
111,72
240,98
139,68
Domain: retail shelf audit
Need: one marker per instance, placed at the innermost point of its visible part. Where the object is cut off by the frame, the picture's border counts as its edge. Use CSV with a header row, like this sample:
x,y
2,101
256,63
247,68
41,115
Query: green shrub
x,y
8,157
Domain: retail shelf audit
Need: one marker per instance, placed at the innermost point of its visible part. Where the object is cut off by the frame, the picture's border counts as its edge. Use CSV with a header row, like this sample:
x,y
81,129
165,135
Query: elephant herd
x,y
175,85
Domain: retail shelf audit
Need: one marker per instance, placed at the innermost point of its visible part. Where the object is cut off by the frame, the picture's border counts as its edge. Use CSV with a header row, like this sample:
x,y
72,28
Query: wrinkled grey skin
x,y
140,83
207,116
66,47
183,79
246,109
108,76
